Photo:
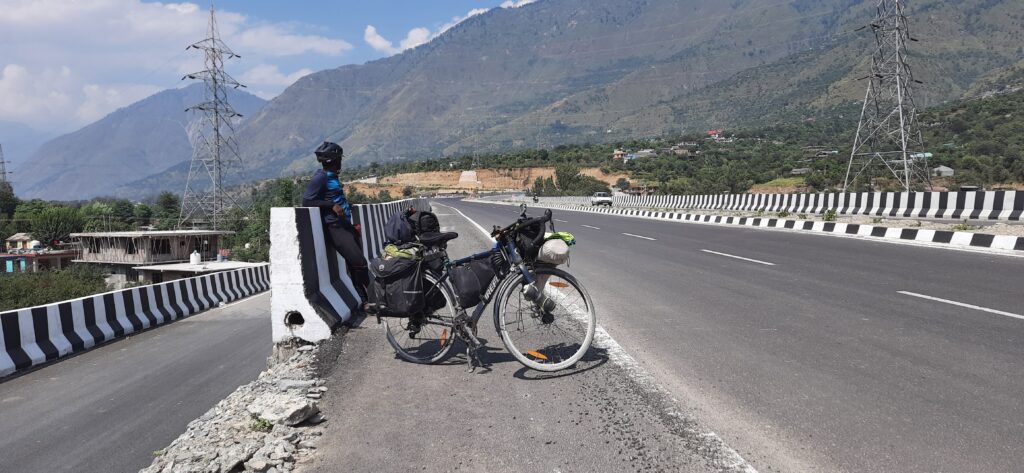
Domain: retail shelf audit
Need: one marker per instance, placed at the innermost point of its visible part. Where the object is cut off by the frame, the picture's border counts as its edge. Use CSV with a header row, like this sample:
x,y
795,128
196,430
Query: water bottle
x,y
537,296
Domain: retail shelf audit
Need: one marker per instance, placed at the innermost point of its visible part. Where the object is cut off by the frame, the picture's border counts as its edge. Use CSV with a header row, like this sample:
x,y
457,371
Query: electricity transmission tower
x,y
887,134
4,181
214,150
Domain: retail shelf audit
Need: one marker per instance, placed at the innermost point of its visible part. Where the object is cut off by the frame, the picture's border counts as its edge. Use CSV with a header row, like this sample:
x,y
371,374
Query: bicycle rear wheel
x,y
434,338
546,338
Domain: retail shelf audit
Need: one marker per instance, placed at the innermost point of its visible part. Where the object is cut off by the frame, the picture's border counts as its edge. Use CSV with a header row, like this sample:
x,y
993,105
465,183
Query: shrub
x,y
20,290
830,215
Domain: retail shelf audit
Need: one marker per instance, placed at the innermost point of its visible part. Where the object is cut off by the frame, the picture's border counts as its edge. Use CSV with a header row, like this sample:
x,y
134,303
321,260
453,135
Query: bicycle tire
x,y
439,337
534,342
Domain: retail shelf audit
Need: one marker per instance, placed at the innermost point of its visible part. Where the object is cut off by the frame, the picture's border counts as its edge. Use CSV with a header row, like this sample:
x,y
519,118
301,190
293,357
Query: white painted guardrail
x,y
37,335
973,205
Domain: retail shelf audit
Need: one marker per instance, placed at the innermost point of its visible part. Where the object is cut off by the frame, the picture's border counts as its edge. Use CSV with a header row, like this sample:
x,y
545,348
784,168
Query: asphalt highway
x,y
814,353
110,408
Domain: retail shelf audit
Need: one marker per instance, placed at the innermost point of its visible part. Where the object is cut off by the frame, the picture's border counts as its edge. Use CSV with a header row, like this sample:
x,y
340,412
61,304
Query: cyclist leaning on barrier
x,y
326,192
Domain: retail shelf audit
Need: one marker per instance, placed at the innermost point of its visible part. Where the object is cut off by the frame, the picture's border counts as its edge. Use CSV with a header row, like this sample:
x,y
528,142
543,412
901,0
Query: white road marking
x,y
557,220
961,304
639,236
477,225
588,226
739,257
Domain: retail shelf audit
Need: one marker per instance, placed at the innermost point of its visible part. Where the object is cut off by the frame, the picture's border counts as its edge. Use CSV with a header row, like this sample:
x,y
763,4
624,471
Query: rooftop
x,y
204,267
20,237
158,233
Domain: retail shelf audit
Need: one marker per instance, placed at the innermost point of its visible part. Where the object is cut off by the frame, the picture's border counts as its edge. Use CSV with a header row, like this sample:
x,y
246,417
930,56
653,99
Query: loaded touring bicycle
x,y
544,316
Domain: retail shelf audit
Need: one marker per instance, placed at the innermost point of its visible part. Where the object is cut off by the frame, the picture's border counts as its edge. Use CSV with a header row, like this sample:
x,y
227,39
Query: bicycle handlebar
x,y
524,223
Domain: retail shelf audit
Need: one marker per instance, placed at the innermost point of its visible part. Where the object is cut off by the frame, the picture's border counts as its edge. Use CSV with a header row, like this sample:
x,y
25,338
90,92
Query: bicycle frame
x,y
506,247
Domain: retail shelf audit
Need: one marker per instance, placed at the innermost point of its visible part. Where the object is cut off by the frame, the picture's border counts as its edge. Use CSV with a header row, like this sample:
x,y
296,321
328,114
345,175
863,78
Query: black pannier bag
x,y
397,287
471,280
433,259
434,298
529,240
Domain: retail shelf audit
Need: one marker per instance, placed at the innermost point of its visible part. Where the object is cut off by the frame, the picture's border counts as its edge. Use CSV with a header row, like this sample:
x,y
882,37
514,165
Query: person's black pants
x,y
343,238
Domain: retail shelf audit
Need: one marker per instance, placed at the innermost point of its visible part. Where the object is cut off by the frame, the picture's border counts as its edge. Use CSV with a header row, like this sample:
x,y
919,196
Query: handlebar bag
x,y
529,240
471,280
397,286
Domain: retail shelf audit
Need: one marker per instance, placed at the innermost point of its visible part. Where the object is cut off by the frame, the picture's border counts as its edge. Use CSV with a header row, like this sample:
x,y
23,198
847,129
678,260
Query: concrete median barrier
x,y
311,292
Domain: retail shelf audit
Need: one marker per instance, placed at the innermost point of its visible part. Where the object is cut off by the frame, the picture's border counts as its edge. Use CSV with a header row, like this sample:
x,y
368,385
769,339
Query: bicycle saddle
x,y
436,238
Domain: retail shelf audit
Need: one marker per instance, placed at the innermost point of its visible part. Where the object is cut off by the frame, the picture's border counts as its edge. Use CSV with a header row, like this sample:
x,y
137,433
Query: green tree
x,y
56,224
285,193
143,214
8,201
168,208
123,212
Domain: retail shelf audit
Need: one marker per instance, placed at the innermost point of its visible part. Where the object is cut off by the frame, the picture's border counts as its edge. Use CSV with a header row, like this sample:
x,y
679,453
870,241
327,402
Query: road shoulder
x,y
389,415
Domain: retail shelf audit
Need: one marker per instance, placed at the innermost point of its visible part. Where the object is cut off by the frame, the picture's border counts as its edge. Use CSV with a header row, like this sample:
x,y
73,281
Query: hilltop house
x,y
18,241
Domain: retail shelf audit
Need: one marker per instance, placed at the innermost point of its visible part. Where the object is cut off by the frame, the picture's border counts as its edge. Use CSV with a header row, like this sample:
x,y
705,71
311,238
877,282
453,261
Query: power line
x,y
215,151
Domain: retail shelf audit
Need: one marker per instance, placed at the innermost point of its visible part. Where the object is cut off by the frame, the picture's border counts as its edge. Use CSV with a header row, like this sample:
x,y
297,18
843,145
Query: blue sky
x,y
67,63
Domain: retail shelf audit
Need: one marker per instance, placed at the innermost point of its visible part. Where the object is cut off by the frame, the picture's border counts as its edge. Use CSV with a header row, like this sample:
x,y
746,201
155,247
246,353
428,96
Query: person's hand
x,y
359,231
338,210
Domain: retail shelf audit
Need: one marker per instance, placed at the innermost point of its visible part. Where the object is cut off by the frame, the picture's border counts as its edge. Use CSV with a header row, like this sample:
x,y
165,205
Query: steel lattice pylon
x,y
887,134
3,166
215,152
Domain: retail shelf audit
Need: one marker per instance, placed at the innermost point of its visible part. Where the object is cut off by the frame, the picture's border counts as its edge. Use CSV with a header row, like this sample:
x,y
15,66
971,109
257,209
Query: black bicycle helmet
x,y
328,153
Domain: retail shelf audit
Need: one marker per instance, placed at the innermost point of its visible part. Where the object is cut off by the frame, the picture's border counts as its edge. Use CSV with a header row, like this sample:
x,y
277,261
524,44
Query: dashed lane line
x,y
739,257
589,226
639,236
961,304
563,221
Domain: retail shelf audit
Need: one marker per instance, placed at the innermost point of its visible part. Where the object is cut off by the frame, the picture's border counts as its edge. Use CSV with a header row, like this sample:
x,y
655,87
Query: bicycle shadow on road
x,y
594,358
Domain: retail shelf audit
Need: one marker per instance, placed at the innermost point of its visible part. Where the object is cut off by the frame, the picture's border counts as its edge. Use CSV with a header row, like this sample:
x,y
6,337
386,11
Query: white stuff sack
x,y
554,251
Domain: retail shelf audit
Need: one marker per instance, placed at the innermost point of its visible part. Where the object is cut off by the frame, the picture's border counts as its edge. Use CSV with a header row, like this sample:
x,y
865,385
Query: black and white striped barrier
x,y
372,218
974,205
962,239
311,292
36,335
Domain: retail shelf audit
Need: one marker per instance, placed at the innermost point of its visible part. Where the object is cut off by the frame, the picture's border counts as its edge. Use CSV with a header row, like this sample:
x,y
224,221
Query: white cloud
x,y
66,63
515,3
274,41
269,74
415,36
459,19
378,42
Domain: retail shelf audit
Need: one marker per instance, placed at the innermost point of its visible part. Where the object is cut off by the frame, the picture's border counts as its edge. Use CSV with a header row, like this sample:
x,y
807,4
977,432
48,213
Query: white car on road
x,y
601,198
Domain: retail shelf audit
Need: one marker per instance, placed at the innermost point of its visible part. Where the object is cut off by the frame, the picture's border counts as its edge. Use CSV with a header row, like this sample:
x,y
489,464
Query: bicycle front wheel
x,y
550,334
424,338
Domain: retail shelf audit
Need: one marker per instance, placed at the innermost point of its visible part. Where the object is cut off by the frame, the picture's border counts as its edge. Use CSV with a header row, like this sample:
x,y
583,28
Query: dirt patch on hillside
x,y
484,179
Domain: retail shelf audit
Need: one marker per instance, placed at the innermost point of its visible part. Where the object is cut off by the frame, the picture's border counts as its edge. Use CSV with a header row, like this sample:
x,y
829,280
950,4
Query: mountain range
x,y
570,71
143,139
